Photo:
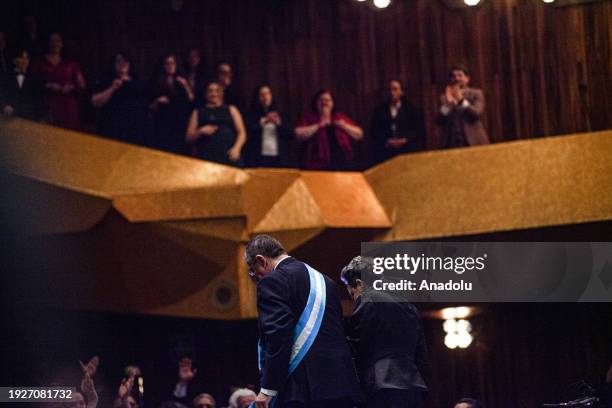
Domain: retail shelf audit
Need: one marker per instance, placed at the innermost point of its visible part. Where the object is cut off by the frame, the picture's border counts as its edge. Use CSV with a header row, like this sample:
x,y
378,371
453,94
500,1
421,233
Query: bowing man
x,y
389,342
305,360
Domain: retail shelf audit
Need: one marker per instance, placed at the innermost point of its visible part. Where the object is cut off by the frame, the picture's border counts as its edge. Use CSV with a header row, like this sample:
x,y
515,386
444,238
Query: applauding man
x,y
461,110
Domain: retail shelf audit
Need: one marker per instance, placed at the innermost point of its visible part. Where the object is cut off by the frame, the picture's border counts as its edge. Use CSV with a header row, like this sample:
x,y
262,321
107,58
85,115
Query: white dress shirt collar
x,y
281,260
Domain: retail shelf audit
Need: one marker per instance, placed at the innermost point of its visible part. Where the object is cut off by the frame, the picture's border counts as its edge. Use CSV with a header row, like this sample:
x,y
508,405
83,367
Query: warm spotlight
x,y
464,339
471,2
382,3
451,341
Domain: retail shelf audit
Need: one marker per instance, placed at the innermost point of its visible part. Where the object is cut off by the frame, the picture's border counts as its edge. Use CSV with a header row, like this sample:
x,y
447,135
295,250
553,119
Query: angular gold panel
x,y
296,209
500,187
123,228
346,200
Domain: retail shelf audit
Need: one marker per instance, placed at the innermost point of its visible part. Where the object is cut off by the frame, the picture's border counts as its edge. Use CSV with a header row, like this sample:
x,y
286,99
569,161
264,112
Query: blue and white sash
x,y
308,325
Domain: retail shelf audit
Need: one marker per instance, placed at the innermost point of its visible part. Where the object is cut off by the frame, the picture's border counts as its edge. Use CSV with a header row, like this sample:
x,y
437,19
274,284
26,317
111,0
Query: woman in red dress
x,y
327,136
62,80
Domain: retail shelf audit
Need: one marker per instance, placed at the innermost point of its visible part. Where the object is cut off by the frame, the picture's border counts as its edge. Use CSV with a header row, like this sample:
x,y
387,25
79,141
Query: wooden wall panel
x,y
544,70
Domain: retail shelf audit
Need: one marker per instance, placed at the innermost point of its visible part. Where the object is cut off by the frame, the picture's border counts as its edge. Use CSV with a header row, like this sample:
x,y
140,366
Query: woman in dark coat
x,y
170,106
396,125
268,134
122,100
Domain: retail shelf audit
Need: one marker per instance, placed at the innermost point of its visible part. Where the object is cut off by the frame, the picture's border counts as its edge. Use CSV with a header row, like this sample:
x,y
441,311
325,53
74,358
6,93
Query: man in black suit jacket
x,y
388,341
19,92
326,376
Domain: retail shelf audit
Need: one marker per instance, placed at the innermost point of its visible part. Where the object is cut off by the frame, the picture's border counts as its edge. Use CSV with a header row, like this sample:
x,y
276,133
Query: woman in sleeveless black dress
x,y
217,130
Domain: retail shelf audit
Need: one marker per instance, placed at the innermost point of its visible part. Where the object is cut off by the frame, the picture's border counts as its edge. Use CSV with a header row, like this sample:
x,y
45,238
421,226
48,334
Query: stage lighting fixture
x,y
450,326
471,2
382,3
462,312
449,313
464,339
458,332
451,341
463,326
548,1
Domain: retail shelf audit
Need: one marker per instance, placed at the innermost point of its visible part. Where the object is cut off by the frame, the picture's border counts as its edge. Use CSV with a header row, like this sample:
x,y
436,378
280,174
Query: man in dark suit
x,y
304,356
19,92
388,340
461,110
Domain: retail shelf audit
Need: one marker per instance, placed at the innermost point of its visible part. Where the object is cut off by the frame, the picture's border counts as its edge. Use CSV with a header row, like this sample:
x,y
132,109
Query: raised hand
x,y
208,130
117,83
163,99
274,117
181,80
450,95
91,367
186,372
396,143
125,388
234,154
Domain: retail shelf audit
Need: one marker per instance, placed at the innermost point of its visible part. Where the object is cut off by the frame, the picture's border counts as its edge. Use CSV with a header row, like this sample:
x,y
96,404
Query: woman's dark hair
x,y
160,73
256,107
111,63
315,98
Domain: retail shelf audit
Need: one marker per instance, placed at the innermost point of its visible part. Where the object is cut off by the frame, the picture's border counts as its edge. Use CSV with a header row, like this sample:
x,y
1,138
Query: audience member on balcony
x,y
19,91
172,98
225,77
268,134
396,125
327,136
461,110
62,81
195,75
5,63
217,130
122,100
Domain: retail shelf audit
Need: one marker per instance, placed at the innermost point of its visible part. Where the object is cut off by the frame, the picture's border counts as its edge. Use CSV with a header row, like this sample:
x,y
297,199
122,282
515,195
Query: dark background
x,y
522,355
544,70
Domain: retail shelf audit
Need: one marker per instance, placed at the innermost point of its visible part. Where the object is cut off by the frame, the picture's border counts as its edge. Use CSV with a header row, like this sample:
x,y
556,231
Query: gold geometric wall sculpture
x,y
109,226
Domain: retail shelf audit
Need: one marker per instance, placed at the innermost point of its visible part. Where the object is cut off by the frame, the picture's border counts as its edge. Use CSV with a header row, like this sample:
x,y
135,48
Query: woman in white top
x,y
267,142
